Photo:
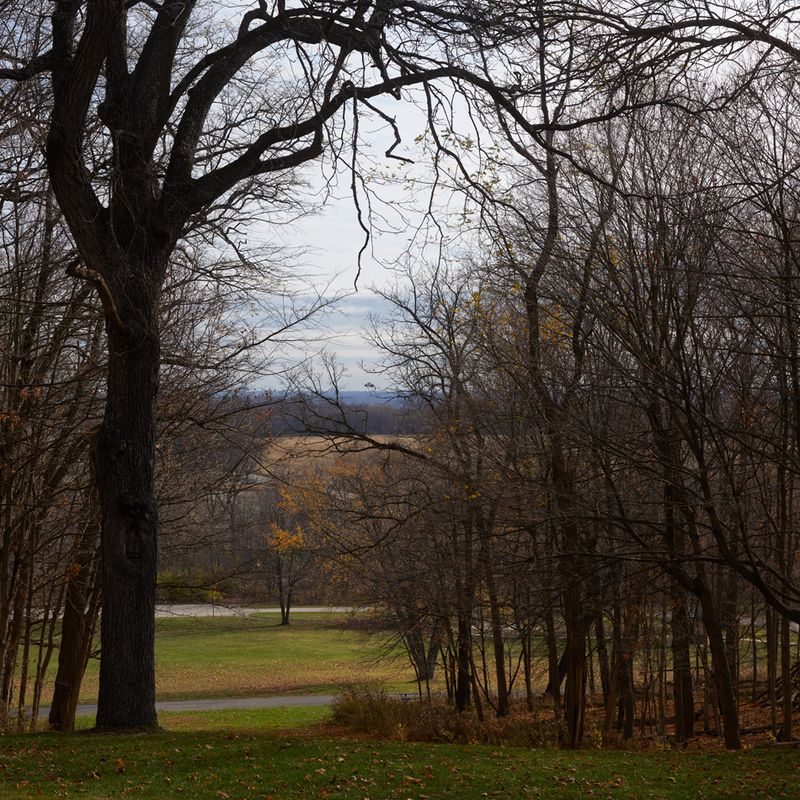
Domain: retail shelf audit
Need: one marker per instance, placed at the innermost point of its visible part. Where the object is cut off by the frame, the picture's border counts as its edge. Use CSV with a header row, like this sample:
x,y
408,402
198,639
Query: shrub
x,y
369,709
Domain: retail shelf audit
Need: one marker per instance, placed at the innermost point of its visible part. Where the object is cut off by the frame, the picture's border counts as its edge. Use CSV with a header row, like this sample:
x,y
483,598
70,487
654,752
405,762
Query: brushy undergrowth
x,y
369,709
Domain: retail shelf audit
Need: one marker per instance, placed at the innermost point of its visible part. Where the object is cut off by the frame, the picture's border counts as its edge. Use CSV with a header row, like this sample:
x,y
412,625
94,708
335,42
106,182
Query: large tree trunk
x,y
124,464
616,657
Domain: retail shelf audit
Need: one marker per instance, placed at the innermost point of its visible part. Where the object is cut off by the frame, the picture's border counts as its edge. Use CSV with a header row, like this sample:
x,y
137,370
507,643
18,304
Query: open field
x,y
255,755
252,656
237,656
317,450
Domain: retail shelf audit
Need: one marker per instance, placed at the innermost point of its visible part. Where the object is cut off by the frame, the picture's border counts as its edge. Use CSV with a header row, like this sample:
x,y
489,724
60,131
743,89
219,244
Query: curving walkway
x,y
220,703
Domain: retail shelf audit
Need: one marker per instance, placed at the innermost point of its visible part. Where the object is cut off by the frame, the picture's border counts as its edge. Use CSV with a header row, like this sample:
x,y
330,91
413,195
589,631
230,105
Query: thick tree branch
x,y
304,26
76,270
35,66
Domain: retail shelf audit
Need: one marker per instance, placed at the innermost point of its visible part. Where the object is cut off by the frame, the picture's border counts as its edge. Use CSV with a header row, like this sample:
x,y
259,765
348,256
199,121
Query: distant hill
x,y
372,412
375,397
349,397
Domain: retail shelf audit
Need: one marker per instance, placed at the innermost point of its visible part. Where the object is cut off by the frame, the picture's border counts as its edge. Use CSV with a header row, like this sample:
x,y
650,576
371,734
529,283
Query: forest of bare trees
x,y
601,494
610,485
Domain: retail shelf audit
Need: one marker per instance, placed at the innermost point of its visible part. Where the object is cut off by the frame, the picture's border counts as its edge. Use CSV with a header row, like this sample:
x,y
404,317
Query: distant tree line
x,y
379,417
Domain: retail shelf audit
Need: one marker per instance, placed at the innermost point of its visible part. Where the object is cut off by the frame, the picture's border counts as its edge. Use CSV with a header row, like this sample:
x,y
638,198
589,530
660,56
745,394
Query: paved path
x,y
217,610
220,703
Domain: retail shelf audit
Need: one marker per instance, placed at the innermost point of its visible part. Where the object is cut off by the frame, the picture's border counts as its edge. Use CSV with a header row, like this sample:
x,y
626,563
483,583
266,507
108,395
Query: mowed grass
x,y
248,761
253,656
287,753
235,720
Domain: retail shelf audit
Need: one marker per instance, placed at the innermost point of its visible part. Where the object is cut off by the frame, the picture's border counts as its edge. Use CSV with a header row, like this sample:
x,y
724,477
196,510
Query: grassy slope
x,y
246,760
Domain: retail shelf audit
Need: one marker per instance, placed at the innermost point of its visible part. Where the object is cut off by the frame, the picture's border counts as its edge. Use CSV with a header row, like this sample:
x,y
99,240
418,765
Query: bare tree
x,y
173,143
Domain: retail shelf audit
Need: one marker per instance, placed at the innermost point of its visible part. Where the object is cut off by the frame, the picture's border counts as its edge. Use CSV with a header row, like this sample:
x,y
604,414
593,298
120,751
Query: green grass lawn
x,y
251,656
288,753
246,757
238,719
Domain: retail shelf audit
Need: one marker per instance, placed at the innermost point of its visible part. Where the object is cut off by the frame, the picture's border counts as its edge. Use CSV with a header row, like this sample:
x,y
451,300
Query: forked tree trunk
x,y
423,658
553,664
723,683
434,648
497,625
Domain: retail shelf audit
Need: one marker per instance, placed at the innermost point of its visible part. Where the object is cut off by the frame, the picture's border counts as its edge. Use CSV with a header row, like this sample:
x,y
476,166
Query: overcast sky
x,y
331,238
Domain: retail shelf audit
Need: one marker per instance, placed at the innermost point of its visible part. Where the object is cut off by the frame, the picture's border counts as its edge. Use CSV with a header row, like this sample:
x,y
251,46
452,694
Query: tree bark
x,y
553,665
730,622
575,690
77,629
726,697
602,654
681,666
497,624
786,681
463,659
124,452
